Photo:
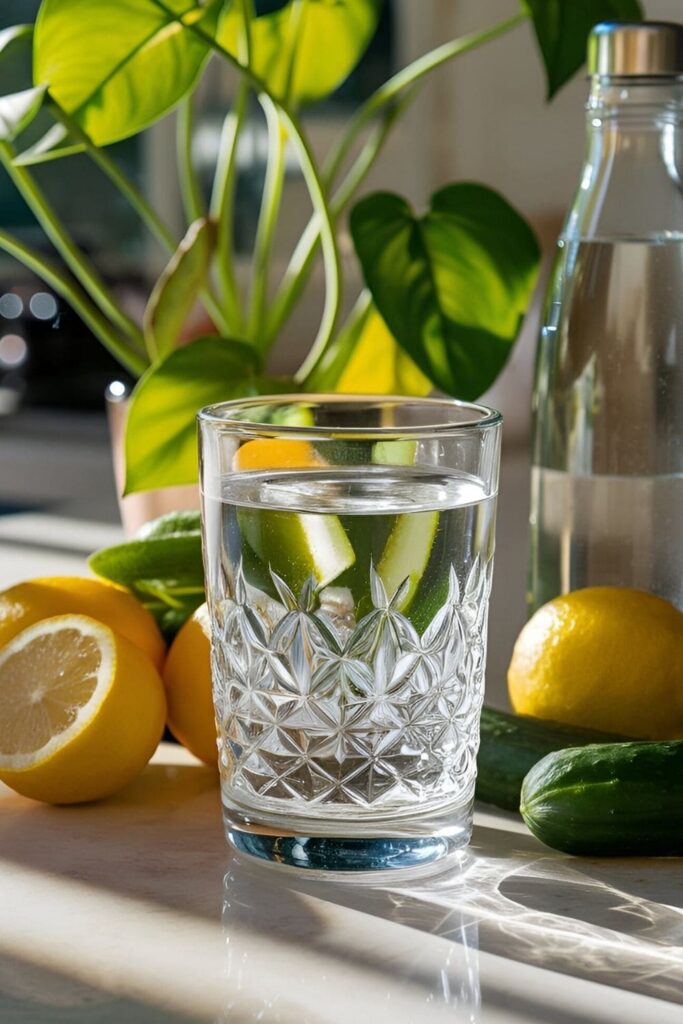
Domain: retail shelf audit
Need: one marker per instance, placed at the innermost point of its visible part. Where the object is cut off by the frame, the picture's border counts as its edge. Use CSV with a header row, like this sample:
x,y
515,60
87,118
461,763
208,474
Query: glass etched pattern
x,y
316,709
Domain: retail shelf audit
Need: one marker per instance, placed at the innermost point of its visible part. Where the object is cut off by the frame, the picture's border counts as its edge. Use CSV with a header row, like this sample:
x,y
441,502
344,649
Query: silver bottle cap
x,y
647,49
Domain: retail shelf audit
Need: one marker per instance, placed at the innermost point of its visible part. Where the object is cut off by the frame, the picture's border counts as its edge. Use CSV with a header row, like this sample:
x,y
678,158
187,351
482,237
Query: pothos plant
x,y
444,290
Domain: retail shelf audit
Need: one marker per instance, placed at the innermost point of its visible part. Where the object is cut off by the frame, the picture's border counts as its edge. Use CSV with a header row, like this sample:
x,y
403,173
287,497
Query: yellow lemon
x,y
29,602
278,453
187,678
607,658
81,710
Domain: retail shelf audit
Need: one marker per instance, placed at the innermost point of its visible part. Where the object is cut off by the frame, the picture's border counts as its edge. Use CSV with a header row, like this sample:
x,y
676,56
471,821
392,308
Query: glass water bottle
x,y
607,483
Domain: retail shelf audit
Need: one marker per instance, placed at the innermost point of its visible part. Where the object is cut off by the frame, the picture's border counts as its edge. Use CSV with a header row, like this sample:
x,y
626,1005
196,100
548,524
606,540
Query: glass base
x,y
360,853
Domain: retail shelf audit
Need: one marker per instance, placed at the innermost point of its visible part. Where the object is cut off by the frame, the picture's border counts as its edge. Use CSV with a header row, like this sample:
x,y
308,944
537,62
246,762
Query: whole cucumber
x,y
608,800
512,744
162,567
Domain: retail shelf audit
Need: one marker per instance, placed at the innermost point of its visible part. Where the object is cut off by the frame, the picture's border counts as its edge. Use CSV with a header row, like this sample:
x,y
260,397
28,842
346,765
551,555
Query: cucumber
x,y
608,800
394,453
512,744
171,523
162,567
297,545
407,552
176,557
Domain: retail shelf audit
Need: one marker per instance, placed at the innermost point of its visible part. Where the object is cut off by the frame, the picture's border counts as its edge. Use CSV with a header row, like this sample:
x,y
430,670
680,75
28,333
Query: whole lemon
x,y
30,602
187,679
607,658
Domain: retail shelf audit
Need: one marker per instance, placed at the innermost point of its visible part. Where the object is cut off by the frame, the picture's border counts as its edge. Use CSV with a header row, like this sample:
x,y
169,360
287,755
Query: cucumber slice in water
x,y
407,552
394,453
297,545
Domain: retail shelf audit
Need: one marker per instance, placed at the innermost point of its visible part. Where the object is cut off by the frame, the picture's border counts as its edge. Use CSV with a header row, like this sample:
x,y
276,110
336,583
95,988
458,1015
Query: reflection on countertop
x,y
618,923
294,954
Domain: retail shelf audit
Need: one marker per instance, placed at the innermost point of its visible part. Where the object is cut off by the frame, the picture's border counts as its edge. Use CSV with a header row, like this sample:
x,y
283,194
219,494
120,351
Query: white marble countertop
x,y
133,911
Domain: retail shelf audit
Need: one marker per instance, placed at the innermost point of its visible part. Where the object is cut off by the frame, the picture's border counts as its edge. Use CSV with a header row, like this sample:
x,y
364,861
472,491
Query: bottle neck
x,y
632,179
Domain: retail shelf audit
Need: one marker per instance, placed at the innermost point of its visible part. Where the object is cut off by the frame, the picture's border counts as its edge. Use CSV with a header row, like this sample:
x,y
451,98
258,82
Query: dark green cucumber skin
x,y
138,563
135,560
171,523
512,744
608,800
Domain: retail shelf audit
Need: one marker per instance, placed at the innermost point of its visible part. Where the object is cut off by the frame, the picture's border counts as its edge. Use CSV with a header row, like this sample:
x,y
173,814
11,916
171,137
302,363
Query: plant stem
x,y
216,312
300,265
131,192
77,299
70,253
244,43
332,262
267,223
313,180
225,178
223,204
190,191
324,374
273,186
405,81
295,27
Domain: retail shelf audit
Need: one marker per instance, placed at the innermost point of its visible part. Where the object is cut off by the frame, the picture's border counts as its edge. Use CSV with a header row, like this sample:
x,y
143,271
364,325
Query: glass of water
x,y
348,546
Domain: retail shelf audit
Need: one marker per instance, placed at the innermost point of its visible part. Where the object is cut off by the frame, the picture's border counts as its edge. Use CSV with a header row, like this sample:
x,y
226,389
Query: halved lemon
x,y
81,710
29,602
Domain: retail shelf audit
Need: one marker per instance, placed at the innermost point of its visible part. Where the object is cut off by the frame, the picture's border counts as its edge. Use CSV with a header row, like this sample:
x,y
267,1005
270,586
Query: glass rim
x,y
219,416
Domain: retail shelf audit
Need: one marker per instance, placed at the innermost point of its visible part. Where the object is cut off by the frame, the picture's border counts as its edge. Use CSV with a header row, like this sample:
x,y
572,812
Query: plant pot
x,y
138,509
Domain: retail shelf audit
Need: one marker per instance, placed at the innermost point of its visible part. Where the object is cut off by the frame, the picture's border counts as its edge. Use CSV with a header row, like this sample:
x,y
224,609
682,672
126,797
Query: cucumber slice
x,y
433,588
406,553
394,453
297,545
368,536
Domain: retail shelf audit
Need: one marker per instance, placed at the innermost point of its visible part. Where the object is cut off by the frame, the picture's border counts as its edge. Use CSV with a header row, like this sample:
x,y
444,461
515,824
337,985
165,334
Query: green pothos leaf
x,y
314,44
453,284
562,28
116,66
379,366
161,431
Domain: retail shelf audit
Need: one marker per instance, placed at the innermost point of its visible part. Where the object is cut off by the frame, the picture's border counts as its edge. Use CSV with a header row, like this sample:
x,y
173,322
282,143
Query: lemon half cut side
x,y
81,710
26,603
